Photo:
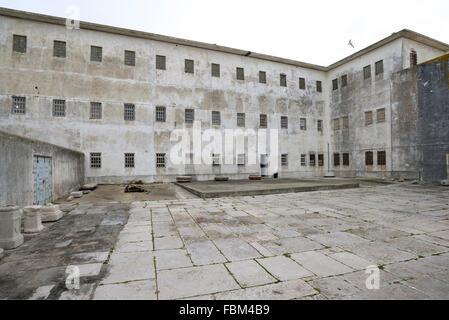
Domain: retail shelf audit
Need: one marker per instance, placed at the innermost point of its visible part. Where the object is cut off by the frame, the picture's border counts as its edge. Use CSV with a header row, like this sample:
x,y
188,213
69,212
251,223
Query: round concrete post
x,y
10,224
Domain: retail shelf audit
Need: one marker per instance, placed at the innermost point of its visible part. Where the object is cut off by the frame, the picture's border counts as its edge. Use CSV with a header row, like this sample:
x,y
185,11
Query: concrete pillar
x,y
50,213
10,223
32,219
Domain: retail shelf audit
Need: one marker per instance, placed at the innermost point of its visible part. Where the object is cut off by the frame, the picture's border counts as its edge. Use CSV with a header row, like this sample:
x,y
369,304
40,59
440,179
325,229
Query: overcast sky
x,y
314,31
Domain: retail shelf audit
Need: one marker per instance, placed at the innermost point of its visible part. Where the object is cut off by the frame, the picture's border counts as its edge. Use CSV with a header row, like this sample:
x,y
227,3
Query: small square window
x,y
320,160
284,160
336,124
344,81
303,124
262,77
18,105
19,43
369,158
215,70
368,118
345,122
160,114
240,120
130,58
379,66
95,160
216,118
303,160
95,110
381,158
96,53
302,83
263,120
160,62
284,122
319,86
312,160
58,108
381,115
240,74
130,112
189,115
129,160
241,159
283,80
346,159
59,49
160,160
319,125
367,72
189,66
336,159
335,84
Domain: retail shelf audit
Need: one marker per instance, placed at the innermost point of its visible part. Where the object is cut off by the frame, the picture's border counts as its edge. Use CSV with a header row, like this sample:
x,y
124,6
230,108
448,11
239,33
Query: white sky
x,y
309,31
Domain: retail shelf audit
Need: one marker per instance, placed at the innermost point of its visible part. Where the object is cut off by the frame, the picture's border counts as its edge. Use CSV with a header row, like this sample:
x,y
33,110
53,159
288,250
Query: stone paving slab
x,y
284,268
320,264
136,290
249,273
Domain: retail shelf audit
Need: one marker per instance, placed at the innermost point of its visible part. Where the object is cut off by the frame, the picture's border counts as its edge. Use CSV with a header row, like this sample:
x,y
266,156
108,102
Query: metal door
x,y
42,180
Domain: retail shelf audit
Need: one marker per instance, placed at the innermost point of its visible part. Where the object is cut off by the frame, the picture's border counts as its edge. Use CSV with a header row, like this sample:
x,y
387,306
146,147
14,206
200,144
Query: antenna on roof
x,y
350,43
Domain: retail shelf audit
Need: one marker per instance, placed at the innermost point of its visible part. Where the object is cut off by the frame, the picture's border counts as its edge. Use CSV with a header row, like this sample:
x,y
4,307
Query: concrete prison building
x,y
116,95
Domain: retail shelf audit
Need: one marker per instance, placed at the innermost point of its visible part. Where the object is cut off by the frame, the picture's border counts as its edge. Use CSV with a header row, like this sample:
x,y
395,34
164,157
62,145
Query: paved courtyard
x,y
314,245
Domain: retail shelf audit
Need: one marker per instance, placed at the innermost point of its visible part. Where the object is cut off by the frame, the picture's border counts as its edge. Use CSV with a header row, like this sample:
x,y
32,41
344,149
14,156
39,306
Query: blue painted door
x,y
42,180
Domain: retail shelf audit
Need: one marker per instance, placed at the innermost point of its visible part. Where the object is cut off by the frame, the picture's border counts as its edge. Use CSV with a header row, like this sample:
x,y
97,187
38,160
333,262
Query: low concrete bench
x,y
183,179
255,178
221,178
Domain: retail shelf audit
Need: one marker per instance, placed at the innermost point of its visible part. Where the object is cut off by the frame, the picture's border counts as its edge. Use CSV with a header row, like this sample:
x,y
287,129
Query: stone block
x,y
89,187
1,253
10,225
32,219
51,213
445,182
77,194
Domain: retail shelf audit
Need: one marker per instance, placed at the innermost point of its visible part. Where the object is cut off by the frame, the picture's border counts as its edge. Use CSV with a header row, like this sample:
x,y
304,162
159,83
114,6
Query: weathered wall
x,y
433,124
16,169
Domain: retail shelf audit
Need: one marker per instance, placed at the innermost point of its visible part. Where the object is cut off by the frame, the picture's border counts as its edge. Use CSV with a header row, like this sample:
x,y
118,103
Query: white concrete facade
x,y
40,77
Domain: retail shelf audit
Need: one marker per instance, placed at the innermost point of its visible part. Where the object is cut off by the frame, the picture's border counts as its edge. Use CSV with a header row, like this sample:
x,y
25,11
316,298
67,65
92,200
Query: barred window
x,y
312,160
336,159
284,122
346,159
367,72
59,49
263,120
215,70
95,160
368,118
319,86
302,83
129,160
381,115
240,74
19,43
160,160
262,77
130,113
241,159
381,158
320,160
96,53
335,84
284,160
303,160
240,119
58,108
18,105
303,124
336,124
345,122
413,58
216,159
216,118
379,66
369,158
130,58
344,80
189,66
319,125
160,114
95,110
189,115
283,80
160,62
